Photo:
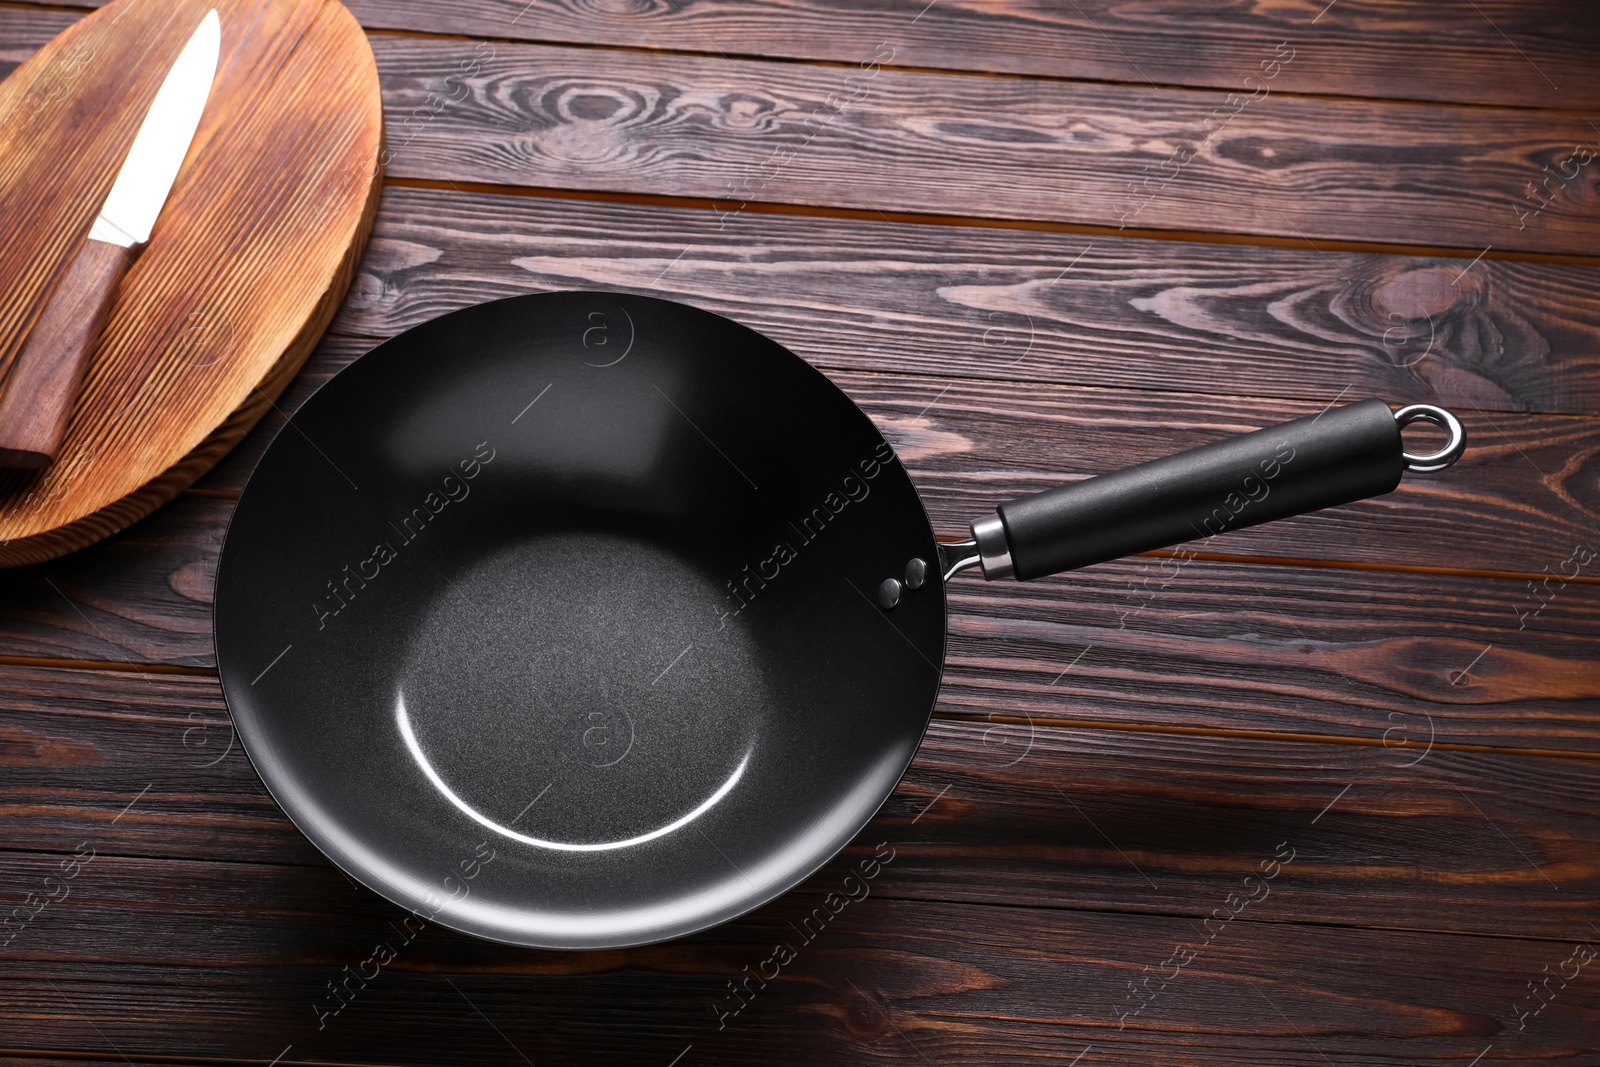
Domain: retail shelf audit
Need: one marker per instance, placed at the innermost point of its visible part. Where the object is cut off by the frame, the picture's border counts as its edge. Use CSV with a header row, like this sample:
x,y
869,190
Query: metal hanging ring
x,y
1433,461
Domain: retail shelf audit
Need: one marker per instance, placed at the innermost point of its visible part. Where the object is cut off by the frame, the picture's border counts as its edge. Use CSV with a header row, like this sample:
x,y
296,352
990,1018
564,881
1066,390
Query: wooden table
x,y
1035,241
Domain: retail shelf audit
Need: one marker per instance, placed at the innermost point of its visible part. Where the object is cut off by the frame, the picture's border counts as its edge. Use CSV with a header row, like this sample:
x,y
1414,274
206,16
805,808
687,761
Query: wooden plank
x,y
223,957
999,148
1365,655
1017,305
991,812
246,972
1351,49
23,31
142,596
1514,52
91,733
1089,154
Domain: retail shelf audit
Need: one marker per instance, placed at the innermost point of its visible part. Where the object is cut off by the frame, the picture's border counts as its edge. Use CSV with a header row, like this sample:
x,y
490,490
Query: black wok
x,y
583,619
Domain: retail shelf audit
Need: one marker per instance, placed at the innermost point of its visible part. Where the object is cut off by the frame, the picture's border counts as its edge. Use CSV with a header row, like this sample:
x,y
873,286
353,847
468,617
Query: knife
x,y
48,372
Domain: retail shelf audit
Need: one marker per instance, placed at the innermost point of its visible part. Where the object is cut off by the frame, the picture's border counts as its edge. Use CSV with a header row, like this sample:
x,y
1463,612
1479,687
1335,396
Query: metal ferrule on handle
x,y
1344,454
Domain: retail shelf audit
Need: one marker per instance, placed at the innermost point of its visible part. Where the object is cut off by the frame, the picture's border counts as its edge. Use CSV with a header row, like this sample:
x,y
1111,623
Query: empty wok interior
x,y
569,639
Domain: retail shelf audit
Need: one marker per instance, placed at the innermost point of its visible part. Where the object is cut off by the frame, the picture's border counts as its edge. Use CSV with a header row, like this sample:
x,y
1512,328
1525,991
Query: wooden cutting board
x,y
248,263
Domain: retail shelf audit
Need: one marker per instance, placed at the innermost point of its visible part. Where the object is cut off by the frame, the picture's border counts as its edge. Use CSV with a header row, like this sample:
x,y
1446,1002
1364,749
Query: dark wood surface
x,y
1378,688
1531,53
1015,149
935,301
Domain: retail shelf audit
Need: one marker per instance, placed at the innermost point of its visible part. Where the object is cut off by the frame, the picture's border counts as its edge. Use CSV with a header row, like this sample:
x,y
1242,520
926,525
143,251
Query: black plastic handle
x,y
1344,454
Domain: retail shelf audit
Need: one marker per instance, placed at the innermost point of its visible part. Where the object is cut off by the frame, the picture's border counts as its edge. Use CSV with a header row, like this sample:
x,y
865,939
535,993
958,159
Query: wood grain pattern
x,y
83,735
206,971
1534,53
999,148
988,813
248,262
1382,50
218,961
141,596
1126,155
1099,776
25,30
1020,306
1371,657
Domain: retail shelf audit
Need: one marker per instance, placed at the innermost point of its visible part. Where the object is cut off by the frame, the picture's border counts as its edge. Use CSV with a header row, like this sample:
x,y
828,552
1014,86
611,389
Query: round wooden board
x,y
248,263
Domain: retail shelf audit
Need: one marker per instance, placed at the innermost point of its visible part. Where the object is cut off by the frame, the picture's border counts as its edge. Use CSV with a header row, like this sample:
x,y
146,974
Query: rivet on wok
x,y
916,574
889,593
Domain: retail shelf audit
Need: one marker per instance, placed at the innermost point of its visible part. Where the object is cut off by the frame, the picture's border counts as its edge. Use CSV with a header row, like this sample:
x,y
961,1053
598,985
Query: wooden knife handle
x,y
39,392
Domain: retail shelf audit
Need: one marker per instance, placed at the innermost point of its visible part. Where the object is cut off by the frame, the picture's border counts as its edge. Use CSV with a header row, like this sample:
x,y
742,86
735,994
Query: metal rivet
x,y
889,593
916,573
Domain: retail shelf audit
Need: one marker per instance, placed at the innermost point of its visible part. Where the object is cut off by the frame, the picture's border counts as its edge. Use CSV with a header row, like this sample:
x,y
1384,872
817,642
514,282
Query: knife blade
x,y
44,381
157,153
